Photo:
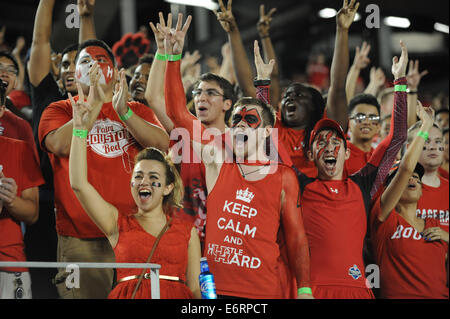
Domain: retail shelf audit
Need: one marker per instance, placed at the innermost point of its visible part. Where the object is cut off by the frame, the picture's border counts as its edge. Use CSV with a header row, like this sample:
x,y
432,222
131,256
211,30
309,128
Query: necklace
x,y
246,174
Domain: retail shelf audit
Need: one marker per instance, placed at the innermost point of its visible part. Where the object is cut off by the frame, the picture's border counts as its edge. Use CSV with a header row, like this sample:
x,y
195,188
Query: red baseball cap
x,y
324,124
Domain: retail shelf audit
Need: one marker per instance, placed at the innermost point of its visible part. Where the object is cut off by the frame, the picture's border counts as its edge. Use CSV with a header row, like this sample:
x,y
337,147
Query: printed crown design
x,y
245,195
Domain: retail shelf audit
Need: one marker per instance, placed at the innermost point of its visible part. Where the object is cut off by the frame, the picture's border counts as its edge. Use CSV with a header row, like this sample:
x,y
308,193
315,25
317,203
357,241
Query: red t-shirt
x,y
111,150
17,128
20,98
335,221
434,203
410,267
292,140
18,163
443,173
241,234
357,160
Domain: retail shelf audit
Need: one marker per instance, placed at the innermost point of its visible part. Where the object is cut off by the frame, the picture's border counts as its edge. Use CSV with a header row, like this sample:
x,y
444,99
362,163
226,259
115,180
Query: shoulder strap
x,y
155,245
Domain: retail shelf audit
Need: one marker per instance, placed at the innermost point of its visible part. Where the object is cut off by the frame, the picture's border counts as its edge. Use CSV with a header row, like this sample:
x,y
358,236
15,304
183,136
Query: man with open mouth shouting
x,y
253,205
335,207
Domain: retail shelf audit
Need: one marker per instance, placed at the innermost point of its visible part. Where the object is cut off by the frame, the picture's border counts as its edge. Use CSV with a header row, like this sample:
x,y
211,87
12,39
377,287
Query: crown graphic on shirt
x,y
244,195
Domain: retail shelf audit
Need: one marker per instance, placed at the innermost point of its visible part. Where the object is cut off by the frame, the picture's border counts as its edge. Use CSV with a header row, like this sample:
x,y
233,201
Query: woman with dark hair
x,y
148,235
410,251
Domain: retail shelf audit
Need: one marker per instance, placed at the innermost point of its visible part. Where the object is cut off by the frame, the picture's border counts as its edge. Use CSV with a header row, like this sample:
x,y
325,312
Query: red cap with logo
x,y
327,124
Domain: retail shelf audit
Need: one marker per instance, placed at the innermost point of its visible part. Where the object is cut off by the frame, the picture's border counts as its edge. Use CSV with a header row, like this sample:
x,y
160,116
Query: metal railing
x,y
154,269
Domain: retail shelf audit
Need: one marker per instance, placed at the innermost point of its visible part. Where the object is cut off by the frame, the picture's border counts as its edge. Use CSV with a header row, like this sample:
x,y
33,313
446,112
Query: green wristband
x,y
161,57
304,290
400,87
173,57
80,133
127,115
423,134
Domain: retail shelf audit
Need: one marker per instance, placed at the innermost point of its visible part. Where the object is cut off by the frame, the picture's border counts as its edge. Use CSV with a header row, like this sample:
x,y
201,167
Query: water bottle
x,y
207,285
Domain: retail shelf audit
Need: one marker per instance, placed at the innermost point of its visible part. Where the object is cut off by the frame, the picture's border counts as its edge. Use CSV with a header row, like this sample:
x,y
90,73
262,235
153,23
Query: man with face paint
x,y
213,98
335,207
118,130
301,105
434,202
250,203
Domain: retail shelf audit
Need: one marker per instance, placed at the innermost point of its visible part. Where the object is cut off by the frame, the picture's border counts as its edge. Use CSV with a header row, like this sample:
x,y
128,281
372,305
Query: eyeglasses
x,y
361,117
9,69
208,92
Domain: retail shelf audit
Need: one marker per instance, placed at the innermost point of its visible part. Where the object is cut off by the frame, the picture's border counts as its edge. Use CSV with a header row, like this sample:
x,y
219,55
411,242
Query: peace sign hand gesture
x,y
263,24
159,37
80,110
346,15
174,38
414,76
226,17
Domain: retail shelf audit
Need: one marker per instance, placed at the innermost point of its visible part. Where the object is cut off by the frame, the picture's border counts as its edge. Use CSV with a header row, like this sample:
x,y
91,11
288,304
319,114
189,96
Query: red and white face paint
x,y
323,141
328,145
85,61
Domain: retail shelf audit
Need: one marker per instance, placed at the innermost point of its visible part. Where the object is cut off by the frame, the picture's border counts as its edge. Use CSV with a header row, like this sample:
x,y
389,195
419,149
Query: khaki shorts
x,y
15,285
88,283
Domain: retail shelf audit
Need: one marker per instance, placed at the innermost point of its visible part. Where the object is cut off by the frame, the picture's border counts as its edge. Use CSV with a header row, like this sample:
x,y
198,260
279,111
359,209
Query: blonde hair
x,y
175,197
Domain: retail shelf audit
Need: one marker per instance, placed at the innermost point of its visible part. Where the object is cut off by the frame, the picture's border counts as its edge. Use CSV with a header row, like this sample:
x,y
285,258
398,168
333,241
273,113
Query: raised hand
x,y
414,76
174,38
377,77
425,114
263,70
120,97
80,110
96,96
159,37
225,16
85,7
361,60
399,65
263,24
189,60
346,15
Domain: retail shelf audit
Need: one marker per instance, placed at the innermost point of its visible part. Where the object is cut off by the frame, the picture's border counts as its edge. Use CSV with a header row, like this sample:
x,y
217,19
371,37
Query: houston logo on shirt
x,y
109,138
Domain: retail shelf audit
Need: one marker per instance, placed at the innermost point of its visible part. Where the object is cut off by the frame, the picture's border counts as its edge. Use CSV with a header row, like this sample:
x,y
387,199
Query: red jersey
x,y
434,203
241,234
335,212
20,98
410,266
357,159
442,172
292,140
17,128
18,163
111,150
